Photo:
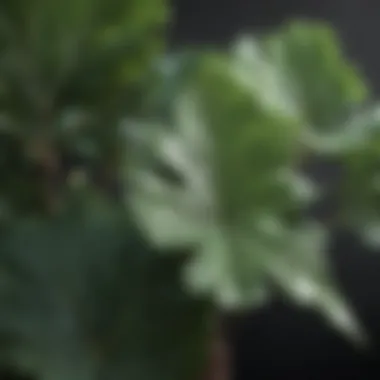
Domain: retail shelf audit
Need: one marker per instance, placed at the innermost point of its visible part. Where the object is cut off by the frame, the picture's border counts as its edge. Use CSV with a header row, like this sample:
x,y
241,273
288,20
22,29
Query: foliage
x,y
81,301
357,148
209,147
68,72
236,141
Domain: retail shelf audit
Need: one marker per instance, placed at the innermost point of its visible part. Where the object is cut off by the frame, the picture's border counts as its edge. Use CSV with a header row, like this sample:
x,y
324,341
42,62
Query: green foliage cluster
x,y
208,150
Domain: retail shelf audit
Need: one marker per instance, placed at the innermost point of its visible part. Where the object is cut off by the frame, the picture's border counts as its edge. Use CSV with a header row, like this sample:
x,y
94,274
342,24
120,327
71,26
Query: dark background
x,y
281,341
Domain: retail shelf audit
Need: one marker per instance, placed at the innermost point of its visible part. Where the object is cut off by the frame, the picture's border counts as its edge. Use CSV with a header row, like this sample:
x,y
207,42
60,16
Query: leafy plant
x,y
236,139
207,149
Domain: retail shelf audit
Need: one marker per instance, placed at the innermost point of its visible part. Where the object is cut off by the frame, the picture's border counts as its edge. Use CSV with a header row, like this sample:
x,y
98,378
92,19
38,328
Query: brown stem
x,y
219,364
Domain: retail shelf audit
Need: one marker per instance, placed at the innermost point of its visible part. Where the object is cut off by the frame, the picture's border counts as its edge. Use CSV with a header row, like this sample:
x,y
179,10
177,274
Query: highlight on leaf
x,y
235,157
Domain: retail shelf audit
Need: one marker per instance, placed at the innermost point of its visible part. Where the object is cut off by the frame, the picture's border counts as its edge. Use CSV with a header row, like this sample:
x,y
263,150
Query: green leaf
x,y
90,55
238,186
60,39
82,297
70,71
304,274
252,144
254,69
326,87
358,154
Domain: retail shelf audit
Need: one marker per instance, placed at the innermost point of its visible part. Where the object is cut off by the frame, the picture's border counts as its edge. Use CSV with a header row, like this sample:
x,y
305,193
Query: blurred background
x,y
281,341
